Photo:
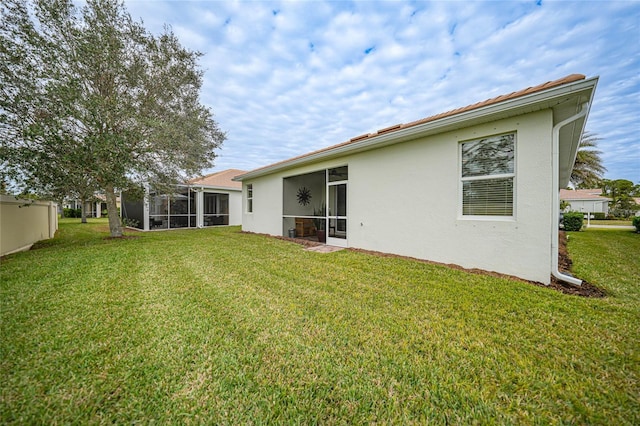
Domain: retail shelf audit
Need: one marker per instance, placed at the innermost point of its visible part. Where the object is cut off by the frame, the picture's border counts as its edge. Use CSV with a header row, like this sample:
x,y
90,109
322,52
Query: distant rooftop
x,y
582,194
222,179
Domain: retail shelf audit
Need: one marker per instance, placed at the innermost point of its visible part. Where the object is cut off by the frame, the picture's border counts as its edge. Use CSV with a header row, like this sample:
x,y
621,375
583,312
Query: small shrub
x,y
599,216
573,221
636,223
72,213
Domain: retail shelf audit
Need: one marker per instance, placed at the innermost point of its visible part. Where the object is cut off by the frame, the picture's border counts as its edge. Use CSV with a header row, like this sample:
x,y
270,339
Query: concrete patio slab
x,y
324,249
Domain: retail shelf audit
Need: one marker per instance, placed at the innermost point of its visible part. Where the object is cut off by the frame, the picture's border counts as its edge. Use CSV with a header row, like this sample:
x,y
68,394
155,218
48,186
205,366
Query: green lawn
x,y
609,222
216,326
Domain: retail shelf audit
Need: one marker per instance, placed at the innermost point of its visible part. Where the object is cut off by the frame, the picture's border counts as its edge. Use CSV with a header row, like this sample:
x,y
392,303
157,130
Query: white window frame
x,y
249,198
512,175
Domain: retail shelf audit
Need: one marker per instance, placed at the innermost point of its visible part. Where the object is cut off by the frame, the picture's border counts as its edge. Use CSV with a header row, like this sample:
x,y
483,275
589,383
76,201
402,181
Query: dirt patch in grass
x,y
123,237
585,290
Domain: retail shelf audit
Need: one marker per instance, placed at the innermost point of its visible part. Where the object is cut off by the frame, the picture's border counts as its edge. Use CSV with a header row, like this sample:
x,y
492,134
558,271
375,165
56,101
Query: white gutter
x,y
555,207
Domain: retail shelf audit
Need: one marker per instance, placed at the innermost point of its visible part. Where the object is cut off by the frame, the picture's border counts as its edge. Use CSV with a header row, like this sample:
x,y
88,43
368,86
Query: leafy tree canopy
x,y
91,101
621,192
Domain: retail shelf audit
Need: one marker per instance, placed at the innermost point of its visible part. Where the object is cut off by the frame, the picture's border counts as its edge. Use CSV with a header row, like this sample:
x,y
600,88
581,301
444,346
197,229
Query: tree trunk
x,y
115,226
83,211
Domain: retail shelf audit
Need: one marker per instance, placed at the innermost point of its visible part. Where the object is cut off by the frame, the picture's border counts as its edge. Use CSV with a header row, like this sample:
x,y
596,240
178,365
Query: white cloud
x,y
284,78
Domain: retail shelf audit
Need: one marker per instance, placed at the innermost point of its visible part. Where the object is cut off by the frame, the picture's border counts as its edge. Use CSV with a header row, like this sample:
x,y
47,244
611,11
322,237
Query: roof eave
x,y
224,188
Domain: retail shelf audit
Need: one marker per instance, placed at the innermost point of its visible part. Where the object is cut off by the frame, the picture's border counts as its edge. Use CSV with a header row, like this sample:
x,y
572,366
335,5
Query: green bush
x,y
573,221
72,212
599,216
636,223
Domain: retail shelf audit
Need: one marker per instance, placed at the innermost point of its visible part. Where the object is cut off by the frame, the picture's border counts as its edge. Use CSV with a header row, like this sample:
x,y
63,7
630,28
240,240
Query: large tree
x,y
91,101
588,169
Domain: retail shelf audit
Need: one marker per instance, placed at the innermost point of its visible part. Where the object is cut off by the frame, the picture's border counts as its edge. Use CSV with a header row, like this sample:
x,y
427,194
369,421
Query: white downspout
x,y
555,209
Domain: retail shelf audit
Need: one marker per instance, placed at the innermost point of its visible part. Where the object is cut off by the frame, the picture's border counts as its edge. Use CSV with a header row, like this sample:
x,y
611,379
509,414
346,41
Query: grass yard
x,y
610,222
216,326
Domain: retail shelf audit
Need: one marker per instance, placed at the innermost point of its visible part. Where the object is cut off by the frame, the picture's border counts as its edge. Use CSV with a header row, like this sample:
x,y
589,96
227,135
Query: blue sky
x,y
286,78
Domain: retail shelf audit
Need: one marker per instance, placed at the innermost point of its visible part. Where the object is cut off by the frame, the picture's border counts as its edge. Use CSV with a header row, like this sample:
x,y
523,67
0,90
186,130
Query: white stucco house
x,y
585,200
477,186
211,200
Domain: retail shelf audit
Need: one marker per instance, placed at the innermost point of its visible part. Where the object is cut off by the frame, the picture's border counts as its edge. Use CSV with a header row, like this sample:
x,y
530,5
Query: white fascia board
x,y
508,108
219,188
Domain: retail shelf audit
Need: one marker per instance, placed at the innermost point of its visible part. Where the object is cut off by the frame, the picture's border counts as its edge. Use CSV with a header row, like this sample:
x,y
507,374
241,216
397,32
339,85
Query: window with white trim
x,y
249,198
487,175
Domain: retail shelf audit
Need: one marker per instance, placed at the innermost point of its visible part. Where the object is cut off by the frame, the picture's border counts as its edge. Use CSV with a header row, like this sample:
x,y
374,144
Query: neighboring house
x,y
95,208
585,200
211,200
477,186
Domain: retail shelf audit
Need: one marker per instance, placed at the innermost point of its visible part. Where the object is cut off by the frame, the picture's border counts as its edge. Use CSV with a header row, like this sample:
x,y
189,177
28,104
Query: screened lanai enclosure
x,y
186,207
315,202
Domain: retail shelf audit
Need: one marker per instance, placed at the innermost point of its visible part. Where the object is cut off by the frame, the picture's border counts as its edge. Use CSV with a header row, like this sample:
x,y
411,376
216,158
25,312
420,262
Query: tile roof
x,y
582,194
513,95
222,179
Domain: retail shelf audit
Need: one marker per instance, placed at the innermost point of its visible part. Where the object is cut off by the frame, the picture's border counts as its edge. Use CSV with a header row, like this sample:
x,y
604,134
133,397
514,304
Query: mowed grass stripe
x,y
201,326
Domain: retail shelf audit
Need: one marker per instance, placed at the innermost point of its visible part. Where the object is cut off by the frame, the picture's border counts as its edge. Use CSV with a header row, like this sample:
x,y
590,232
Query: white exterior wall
x,y
235,208
414,207
405,199
266,217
